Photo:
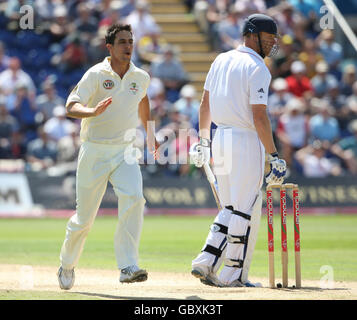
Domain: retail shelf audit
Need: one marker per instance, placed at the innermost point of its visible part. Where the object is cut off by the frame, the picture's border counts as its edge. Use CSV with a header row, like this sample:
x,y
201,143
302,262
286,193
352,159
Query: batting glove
x,y
277,169
200,152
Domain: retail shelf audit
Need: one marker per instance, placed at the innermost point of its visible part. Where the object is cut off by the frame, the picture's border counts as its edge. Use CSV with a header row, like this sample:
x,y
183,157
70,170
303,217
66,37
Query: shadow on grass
x,y
311,289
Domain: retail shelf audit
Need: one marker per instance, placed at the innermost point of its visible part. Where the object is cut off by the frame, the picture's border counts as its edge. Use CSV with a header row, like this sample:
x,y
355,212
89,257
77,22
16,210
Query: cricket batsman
x,y
235,99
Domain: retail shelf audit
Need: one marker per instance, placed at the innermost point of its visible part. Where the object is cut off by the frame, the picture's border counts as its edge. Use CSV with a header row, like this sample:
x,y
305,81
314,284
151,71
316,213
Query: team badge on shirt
x,y
108,84
133,88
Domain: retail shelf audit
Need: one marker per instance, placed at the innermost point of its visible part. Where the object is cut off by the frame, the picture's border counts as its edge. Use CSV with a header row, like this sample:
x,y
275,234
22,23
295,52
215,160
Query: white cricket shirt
x,y
236,80
101,82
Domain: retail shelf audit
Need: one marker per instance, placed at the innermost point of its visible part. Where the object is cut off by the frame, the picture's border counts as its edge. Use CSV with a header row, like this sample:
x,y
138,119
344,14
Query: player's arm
x,y
82,93
145,117
200,151
79,111
263,127
205,116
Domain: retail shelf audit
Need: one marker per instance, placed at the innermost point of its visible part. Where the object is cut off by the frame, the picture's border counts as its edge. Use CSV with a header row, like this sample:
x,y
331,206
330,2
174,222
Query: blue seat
x,y
9,38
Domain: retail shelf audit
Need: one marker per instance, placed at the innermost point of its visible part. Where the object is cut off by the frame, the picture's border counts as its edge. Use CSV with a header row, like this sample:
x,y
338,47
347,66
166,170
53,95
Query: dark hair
x,y
114,29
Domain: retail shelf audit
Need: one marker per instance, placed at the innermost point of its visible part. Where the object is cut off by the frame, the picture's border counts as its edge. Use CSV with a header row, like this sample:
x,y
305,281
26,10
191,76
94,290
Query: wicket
x,y
284,247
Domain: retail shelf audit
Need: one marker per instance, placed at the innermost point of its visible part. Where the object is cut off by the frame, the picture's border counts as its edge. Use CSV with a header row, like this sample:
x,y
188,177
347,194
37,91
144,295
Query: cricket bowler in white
x,y
110,99
235,99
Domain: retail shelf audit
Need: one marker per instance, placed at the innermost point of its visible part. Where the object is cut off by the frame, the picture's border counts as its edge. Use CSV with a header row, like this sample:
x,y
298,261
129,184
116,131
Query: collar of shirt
x,y
108,67
242,48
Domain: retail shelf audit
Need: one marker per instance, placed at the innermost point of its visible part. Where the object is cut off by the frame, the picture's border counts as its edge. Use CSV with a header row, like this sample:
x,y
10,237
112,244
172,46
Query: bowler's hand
x,y
102,106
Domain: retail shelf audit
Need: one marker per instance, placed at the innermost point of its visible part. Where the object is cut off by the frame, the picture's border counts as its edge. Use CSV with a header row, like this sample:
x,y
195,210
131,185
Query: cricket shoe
x,y
65,278
133,274
237,283
207,277
249,284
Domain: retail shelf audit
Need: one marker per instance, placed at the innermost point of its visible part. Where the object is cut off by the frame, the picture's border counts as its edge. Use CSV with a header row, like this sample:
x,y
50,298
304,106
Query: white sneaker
x,y
65,278
206,276
133,274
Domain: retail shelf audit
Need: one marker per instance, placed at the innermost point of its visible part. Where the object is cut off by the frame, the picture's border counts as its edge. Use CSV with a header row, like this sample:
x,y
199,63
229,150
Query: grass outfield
x,y
169,243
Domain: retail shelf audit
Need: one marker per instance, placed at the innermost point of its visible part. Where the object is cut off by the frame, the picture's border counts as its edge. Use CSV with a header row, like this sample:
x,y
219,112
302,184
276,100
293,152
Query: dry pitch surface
x,y
104,284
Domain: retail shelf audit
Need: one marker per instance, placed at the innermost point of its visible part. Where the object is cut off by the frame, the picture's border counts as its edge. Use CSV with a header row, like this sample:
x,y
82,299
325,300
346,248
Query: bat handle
x,y
209,173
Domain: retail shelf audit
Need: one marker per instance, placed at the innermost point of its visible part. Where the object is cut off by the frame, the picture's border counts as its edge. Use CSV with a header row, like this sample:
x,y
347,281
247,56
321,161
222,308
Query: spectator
x,y
310,57
110,16
49,99
58,126
348,78
353,97
68,147
151,46
322,81
338,102
18,146
331,50
45,9
286,17
323,126
41,152
284,58
104,8
292,130
141,21
86,23
186,136
60,26
188,105
97,49
4,59
346,149
74,55
306,7
229,30
13,76
8,123
24,110
214,11
277,101
5,148
298,83
171,72
314,162
156,87
127,7
160,109
251,6
12,8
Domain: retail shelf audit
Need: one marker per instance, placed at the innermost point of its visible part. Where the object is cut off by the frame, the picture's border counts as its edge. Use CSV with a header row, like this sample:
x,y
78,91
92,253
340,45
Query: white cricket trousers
x,y
98,164
238,157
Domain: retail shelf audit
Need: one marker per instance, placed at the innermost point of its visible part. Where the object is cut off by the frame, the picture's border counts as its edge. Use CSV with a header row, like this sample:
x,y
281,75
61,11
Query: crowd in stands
x,y
312,103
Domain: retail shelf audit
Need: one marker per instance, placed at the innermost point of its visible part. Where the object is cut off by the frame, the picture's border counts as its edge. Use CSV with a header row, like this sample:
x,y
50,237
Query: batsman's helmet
x,y
258,22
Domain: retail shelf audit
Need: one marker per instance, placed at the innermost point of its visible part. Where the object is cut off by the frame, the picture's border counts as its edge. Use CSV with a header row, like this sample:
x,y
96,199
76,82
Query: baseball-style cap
x,y
259,22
